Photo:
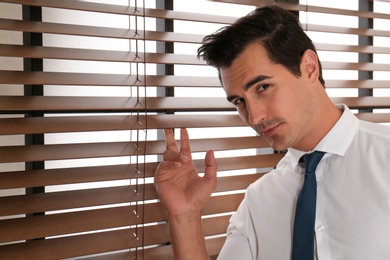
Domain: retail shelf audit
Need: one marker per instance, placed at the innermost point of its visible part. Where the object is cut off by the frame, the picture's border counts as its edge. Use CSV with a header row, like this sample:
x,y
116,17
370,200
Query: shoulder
x,y
369,149
374,135
375,129
276,181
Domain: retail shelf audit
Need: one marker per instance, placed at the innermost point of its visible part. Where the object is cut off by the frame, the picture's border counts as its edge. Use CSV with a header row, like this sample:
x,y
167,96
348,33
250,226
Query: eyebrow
x,y
250,84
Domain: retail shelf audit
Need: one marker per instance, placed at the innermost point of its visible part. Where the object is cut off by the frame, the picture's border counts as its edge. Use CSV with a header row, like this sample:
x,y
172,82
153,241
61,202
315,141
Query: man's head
x,y
270,71
278,30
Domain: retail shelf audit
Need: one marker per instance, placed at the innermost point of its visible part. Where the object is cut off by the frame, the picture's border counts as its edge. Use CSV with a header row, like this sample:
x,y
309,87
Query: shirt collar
x,y
337,140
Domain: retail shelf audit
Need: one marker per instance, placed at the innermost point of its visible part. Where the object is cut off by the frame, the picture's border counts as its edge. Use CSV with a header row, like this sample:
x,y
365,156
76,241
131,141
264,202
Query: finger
x,y
210,171
170,141
169,155
185,147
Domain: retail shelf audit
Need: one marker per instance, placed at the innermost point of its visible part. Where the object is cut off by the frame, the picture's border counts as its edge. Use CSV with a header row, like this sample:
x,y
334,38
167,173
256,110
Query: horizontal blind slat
x,y
13,126
53,225
363,101
246,162
34,227
357,84
356,66
150,104
71,151
312,8
34,153
345,30
125,104
159,234
79,245
37,52
43,202
105,123
66,247
176,15
225,164
375,117
94,31
9,50
329,10
125,10
50,177
90,79
352,48
162,252
95,79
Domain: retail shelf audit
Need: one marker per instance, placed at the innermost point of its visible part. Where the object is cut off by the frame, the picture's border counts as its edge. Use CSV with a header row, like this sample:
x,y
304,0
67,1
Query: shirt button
x,y
318,183
320,228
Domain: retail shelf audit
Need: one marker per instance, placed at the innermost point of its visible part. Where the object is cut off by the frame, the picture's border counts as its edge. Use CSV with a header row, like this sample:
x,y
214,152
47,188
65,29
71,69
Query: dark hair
x,y
277,29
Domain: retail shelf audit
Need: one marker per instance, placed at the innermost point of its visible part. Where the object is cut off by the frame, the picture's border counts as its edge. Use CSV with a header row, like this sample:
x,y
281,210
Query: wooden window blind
x,y
87,86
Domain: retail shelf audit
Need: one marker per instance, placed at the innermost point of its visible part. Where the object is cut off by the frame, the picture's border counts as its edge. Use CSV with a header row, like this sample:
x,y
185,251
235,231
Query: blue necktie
x,y
305,213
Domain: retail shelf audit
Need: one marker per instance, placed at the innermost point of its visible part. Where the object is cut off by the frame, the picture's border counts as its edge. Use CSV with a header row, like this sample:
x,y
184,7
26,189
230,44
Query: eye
x,y
238,101
262,87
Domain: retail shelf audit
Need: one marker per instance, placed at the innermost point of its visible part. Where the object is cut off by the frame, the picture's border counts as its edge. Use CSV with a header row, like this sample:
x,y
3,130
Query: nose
x,y
255,112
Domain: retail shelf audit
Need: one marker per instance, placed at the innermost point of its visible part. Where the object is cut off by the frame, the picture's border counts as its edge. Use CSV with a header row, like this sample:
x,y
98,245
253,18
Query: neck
x,y
326,116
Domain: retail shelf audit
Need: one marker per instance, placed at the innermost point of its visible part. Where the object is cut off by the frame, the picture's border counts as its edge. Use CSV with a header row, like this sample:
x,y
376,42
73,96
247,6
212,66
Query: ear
x,y
309,65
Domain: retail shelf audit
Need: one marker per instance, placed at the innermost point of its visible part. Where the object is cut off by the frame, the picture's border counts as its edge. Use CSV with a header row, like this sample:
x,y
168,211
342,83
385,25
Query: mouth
x,y
270,131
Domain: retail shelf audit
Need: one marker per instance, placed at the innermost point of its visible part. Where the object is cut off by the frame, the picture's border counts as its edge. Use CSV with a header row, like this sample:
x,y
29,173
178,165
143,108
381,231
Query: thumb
x,y
210,166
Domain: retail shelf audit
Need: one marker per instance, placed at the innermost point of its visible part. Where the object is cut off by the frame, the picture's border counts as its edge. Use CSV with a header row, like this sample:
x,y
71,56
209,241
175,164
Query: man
x,y
270,70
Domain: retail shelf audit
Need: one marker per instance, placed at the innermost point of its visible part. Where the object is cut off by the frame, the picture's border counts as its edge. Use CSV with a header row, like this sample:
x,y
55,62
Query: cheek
x,y
287,101
279,105
243,115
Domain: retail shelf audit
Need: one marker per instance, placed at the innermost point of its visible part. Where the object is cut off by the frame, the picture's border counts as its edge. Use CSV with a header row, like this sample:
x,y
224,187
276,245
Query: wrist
x,y
187,236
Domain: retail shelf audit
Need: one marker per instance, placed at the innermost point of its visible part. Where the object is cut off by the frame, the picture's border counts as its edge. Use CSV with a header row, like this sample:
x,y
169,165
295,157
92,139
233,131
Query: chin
x,y
274,145
278,146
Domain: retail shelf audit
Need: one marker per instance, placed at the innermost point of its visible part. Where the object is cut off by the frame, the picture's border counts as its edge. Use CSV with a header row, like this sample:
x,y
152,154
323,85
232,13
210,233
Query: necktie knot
x,y
311,160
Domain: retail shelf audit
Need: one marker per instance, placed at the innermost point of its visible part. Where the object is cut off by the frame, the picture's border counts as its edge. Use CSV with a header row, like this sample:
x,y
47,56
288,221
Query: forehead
x,y
252,62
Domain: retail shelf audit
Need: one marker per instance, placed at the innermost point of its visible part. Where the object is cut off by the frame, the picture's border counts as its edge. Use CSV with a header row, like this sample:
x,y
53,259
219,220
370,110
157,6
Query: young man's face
x,y
269,98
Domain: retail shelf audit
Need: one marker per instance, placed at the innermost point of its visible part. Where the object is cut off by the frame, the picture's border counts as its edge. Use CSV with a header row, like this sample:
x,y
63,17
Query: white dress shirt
x,y
353,200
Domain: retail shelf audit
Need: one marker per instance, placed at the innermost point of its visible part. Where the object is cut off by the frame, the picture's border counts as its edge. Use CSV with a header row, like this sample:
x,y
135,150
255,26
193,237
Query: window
x,y
87,86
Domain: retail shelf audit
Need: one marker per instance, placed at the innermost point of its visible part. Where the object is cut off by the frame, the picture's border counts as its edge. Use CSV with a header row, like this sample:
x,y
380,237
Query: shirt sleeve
x,y
240,241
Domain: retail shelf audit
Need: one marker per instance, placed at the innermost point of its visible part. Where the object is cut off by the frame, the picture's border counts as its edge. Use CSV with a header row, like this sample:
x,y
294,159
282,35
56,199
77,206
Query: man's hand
x,y
181,190
184,193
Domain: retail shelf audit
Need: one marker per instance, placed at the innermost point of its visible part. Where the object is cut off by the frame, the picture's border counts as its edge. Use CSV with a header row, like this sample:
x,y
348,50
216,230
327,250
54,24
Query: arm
x,y
240,235
184,193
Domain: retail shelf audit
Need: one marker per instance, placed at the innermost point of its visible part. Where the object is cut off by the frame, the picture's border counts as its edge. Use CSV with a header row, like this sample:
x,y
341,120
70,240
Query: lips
x,y
270,131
